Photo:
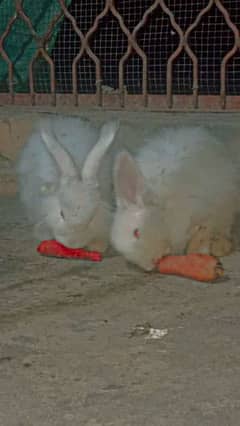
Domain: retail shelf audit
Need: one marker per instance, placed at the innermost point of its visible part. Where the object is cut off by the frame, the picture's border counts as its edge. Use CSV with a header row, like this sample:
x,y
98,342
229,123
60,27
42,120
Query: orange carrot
x,y
199,267
55,249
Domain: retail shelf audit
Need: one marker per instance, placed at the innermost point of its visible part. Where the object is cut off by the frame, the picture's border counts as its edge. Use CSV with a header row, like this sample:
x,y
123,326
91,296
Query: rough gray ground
x,y
67,356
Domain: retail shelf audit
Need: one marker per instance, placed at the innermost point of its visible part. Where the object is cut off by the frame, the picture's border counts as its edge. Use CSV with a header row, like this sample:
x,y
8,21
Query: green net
x,y
20,45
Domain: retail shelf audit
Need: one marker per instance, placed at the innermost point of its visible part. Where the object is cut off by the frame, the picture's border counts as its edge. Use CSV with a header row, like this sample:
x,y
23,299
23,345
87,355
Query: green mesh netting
x,y
20,45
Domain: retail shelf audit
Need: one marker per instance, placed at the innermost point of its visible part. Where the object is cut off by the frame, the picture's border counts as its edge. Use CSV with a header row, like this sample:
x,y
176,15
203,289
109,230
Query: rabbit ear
x,y
62,158
129,182
93,161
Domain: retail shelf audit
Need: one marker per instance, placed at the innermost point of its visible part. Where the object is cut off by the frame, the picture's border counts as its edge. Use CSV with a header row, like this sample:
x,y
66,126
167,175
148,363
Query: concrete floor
x,y
69,356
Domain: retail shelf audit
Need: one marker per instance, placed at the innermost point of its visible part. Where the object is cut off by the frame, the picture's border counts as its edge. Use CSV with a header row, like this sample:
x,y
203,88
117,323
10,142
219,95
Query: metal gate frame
x,y
120,99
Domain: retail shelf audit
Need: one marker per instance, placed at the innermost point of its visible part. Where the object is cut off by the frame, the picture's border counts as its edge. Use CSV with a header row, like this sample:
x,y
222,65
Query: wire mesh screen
x,y
133,47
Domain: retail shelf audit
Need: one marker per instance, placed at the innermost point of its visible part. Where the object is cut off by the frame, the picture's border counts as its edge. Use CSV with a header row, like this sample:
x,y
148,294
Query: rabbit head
x,y
77,216
139,231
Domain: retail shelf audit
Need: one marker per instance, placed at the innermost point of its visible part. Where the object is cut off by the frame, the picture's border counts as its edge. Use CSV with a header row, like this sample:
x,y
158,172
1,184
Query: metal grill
x,y
125,54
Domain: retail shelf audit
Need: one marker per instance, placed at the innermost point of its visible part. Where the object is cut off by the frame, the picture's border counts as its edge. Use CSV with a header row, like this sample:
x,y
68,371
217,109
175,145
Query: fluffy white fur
x,y
180,182
61,198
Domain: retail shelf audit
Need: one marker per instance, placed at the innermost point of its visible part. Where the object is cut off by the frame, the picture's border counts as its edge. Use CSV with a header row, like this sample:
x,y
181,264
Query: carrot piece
x,y
55,249
199,267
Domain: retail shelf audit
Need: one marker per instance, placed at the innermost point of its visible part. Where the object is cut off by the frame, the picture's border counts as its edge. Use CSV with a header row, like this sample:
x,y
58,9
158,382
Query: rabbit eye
x,y
136,233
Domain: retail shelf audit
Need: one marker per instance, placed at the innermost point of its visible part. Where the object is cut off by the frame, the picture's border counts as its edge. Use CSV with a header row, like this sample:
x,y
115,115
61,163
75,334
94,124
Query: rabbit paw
x,y
200,241
204,241
221,246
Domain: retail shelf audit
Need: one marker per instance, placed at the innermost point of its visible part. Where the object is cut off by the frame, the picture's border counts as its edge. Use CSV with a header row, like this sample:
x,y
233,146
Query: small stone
x,y
27,362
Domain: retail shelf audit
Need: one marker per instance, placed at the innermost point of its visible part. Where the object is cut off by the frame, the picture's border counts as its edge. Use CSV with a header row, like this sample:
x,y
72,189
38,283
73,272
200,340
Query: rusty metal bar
x,y
133,46
6,57
85,47
183,44
41,50
190,52
230,54
174,54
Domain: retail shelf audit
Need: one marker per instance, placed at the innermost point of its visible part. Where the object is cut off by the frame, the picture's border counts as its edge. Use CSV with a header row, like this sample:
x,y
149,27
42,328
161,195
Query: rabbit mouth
x,y
156,260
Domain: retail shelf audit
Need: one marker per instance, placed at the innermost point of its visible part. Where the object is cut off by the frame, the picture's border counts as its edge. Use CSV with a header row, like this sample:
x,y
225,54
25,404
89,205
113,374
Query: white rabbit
x,y
63,184
180,194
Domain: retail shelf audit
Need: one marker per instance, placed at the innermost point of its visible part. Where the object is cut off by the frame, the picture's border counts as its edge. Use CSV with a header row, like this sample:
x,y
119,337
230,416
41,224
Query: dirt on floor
x,y
75,344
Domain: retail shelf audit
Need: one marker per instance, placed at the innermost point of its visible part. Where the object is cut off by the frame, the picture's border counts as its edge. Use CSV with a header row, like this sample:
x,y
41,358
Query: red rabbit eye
x,y
136,233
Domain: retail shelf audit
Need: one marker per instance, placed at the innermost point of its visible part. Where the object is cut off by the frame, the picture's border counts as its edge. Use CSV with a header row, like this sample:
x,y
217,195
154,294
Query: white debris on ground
x,y
148,331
